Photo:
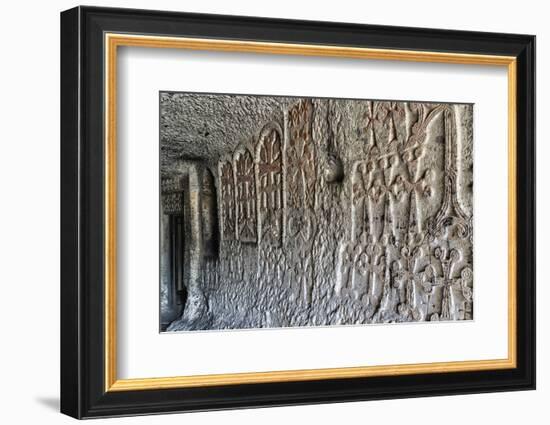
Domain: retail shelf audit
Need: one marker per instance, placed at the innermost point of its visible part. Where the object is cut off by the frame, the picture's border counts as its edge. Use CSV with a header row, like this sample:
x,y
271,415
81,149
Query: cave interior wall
x,y
311,212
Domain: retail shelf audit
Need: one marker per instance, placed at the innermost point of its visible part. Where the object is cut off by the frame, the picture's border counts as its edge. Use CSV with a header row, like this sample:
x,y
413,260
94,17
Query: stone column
x,y
171,197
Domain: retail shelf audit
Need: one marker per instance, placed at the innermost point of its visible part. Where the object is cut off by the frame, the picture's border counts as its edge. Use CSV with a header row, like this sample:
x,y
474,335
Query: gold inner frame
x,y
113,41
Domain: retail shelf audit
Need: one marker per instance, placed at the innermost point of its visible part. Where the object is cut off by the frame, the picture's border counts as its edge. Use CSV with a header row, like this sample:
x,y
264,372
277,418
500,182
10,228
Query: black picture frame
x,y
83,392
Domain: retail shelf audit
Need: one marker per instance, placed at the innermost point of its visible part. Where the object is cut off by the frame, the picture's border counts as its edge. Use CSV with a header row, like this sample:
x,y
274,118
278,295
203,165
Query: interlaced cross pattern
x,y
447,259
269,171
246,197
228,199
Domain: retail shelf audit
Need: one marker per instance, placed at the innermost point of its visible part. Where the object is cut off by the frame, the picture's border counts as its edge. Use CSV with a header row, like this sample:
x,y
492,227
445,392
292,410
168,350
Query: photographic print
x,y
263,217
296,211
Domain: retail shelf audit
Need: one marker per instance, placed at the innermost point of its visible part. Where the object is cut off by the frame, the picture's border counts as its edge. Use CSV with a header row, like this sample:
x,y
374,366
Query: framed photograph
x,y
261,212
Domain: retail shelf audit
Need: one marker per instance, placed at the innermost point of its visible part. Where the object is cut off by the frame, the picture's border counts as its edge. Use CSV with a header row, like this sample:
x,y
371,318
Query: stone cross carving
x,y
227,204
300,192
388,240
444,286
355,266
246,197
300,158
269,158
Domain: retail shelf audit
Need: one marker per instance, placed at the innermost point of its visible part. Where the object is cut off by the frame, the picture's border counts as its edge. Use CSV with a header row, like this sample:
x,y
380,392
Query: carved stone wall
x,y
342,212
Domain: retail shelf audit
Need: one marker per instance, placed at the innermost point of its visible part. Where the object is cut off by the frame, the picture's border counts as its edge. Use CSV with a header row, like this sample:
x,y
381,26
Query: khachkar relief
x,y
227,201
332,211
300,197
269,160
245,184
404,260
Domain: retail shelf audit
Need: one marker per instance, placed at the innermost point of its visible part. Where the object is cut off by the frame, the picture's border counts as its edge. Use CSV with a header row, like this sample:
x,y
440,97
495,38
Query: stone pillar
x,y
200,240
195,307
171,203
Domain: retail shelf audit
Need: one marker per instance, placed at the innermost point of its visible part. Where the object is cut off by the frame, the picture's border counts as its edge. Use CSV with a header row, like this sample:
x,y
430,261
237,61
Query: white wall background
x,y
29,210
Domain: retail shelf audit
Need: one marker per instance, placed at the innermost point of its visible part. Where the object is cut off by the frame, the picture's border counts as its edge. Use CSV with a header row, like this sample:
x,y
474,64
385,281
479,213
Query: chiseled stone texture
x,y
329,211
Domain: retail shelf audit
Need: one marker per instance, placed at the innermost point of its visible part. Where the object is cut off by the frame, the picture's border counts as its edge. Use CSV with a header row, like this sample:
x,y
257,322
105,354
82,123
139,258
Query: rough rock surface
x,y
329,211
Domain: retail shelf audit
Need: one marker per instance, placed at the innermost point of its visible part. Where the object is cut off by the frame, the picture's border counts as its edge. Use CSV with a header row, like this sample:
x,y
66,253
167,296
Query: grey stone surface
x,y
321,211
205,127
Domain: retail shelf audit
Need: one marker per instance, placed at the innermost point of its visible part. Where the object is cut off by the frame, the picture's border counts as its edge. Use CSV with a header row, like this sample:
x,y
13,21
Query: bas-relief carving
x,y
227,203
269,175
245,185
301,223
344,212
